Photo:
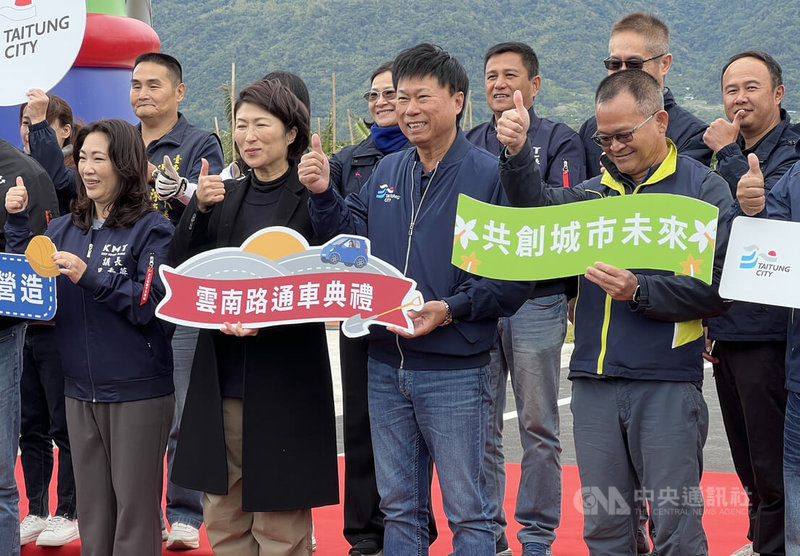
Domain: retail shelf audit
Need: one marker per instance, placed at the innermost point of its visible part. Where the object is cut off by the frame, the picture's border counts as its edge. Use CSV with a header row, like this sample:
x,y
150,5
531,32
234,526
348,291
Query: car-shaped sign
x,y
352,251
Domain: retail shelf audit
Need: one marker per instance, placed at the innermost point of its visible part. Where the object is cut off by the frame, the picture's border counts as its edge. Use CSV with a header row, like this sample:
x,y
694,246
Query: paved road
x,y
716,454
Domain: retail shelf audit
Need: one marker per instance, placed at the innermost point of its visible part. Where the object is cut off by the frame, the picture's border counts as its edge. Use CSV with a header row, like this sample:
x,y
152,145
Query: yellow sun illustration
x,y
272,243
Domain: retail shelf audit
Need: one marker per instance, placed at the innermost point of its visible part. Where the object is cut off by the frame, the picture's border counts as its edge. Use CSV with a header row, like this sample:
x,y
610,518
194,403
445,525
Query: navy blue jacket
x,y
685,129
47,152
352,166
661,336
113,348
556,148
783,203
777,152
185,145
423,252
42,201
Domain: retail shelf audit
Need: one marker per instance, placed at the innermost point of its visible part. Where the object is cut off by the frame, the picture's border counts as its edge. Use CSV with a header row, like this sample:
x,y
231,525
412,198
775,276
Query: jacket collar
x,y
292,195
616,180
768,143
174,136
455,153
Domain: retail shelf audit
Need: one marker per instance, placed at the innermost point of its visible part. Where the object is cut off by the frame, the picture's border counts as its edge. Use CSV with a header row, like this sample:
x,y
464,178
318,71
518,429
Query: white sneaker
x,y
30,528
59,531
183,537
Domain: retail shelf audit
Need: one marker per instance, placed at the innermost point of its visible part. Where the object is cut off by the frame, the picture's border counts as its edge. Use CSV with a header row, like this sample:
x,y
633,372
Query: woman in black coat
x,y
258,431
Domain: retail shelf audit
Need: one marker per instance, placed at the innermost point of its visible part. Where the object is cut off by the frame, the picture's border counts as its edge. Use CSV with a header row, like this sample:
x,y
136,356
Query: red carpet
x,y
725,520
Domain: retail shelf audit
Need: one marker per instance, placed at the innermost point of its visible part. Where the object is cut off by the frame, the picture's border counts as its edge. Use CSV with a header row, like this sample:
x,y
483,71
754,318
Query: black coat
x,y
289,436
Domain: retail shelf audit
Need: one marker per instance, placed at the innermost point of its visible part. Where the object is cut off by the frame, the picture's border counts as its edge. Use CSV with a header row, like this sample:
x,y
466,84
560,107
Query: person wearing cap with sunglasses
x,y
641,41
747,345
639,417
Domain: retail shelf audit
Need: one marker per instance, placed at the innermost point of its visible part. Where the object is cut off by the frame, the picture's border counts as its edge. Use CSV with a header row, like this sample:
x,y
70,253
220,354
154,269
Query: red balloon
x,y
114,41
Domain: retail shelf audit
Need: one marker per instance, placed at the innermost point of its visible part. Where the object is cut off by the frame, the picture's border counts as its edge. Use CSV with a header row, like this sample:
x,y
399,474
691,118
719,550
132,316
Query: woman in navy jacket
x,y
258,430
116,355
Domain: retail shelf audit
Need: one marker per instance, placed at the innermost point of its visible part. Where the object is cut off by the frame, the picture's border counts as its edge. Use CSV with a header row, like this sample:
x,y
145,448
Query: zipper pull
x,y
410,229
565,173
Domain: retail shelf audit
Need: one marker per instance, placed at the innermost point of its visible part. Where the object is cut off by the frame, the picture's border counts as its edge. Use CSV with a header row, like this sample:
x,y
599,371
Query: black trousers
x,y
44,421
363,518
750,384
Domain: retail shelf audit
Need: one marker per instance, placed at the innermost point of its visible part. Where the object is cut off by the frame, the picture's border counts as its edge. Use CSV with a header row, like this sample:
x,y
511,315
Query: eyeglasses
x,y
372,96
615,64
625,137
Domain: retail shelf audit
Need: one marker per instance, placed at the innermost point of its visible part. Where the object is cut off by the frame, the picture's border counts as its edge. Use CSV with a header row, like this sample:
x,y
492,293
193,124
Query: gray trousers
x,y
637,440
118,458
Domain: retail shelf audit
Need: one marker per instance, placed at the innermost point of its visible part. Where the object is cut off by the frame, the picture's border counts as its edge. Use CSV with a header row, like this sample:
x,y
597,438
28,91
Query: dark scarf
x,y
388,139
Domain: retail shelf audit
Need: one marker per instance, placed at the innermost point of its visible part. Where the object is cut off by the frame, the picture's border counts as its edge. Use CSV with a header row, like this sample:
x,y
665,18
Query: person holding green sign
x,y
639,417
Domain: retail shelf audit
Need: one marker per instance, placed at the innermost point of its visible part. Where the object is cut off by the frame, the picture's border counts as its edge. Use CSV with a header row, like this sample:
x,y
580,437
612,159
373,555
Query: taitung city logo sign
x,y
765,263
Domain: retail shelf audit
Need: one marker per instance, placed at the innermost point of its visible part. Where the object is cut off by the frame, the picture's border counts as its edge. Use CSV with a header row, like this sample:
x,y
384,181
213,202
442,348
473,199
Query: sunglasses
x,y
625,137
372,95
615,64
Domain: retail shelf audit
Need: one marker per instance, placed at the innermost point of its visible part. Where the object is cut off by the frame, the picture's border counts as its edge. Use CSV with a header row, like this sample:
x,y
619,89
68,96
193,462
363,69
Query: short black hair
x,y
427,59
529,58
277,99
641,85
774,68
295,84
172,64
383,68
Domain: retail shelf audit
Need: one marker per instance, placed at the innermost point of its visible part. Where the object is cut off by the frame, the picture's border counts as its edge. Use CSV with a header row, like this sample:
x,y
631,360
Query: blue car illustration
x,y
352,251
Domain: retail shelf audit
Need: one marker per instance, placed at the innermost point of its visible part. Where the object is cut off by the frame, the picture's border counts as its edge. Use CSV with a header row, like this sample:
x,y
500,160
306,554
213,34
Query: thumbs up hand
x,y
512,127
210,189
314,171
168,183
17,197
750,190
721,132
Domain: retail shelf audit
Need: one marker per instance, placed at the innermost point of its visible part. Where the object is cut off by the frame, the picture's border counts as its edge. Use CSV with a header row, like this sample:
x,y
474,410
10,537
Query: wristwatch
x,y
448,314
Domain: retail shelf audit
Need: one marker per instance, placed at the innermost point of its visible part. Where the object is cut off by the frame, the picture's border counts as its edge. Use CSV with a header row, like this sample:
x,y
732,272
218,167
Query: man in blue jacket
x,y
782,202
639,417
428,391
157,89
749,340
529,342
641,41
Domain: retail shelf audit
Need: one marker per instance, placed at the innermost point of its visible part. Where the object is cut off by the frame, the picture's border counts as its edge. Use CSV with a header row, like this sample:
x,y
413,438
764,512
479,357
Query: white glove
x,y
168,183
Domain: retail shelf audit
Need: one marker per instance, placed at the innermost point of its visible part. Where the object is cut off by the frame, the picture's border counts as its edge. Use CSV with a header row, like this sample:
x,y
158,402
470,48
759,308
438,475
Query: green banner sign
x,y
655,231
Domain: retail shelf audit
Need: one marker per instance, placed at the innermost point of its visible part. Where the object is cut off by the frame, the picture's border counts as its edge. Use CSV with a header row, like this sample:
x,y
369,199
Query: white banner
x,y
762,264
39,41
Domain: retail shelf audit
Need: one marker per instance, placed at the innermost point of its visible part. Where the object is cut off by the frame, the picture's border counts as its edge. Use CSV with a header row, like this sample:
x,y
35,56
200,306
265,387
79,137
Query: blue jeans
x,y
183,505
529,347
12,340
417,415
791,473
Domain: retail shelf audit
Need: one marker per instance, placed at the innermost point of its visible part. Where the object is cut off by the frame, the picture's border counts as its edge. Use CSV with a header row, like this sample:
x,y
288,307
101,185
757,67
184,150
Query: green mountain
x,y
316,38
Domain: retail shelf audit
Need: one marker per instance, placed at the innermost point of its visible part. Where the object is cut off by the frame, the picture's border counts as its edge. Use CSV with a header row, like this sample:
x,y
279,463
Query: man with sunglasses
x,y
639,417
641,41
529,342
747,345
